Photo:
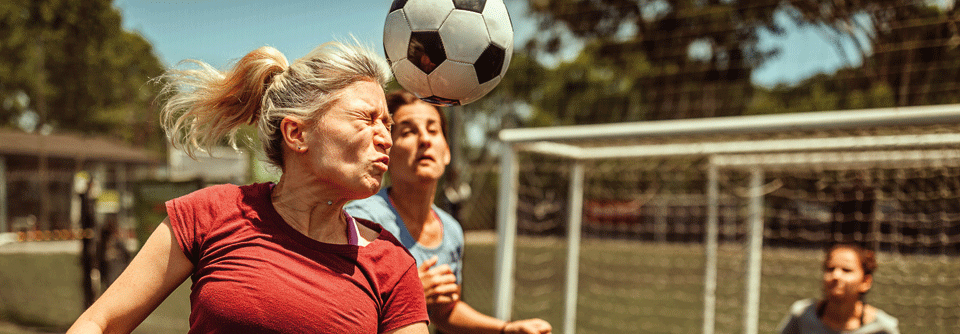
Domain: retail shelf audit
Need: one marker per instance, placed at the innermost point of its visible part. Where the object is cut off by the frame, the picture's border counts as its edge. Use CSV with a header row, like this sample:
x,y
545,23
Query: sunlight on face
x,y
420,152
843,276
350,143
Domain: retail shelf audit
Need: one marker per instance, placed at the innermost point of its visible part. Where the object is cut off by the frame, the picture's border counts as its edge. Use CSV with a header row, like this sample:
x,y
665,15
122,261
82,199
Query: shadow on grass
x,y
41,293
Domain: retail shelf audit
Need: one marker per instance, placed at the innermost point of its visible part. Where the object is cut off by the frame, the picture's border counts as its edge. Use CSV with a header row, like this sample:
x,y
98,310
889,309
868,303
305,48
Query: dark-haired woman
x,y
847,276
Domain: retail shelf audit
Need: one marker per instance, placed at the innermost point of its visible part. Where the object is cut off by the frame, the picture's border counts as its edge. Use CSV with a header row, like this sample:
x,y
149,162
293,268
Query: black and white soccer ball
x,y
448,52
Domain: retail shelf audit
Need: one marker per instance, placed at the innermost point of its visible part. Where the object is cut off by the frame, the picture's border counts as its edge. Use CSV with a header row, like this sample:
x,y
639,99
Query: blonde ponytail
x,y
207,105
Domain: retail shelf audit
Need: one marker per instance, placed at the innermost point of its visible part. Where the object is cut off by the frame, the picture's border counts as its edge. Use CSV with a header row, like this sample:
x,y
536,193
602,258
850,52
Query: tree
x,y
916,53
913,45
18,66
81,71
913,59
701,54
712,81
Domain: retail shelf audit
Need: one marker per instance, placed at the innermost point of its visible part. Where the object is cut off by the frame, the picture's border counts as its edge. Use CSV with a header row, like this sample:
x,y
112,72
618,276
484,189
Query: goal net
x,y
718,225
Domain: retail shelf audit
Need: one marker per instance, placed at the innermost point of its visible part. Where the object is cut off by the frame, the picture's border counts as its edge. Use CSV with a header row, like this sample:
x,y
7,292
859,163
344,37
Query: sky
x,y
221,31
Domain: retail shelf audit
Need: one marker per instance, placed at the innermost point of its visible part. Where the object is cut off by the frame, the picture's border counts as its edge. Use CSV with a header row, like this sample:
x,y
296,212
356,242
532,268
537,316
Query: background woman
x,y
285,257
418,159
847,276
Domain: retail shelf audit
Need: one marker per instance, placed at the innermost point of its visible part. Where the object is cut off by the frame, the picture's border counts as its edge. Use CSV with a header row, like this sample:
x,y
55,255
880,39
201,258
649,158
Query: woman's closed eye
x,y
406,130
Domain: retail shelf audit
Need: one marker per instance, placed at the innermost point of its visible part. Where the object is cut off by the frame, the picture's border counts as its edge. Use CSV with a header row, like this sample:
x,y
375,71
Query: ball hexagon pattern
x,y
448,52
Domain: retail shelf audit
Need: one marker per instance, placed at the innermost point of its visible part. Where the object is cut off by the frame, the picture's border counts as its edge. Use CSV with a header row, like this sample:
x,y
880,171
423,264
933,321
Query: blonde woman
x,y
284,257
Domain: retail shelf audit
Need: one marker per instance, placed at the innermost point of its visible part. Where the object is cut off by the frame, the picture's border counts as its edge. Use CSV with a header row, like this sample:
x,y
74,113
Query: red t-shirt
x,y
254,273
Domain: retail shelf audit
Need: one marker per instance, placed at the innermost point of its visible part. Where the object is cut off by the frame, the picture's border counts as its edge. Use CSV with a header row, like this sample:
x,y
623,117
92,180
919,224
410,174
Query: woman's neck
x,y
414,201
843,315
414,204
312,211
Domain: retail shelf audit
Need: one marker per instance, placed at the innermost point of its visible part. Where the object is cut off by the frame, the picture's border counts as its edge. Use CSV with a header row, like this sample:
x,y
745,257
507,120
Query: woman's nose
x,y
383,138
424,139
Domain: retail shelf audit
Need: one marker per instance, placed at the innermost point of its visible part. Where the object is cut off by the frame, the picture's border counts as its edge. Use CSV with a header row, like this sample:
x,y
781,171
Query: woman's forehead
x,y
843,255
360,95
418,110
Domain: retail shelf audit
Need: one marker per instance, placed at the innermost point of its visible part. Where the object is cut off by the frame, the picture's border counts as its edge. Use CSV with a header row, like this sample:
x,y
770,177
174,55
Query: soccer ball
x,y
448,52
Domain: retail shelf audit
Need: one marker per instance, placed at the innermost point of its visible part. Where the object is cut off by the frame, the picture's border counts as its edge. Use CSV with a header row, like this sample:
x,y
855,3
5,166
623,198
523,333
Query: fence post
x,y
710,274
507,233
574,219
751,314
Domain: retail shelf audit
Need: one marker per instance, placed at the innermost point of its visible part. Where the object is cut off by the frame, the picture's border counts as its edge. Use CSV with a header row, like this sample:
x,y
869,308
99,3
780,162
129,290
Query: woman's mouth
x,y
382,163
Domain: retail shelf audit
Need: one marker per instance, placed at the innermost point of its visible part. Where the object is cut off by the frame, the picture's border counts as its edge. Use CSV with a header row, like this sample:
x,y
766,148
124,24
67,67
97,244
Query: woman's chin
x,y
836,296
371,186
372,190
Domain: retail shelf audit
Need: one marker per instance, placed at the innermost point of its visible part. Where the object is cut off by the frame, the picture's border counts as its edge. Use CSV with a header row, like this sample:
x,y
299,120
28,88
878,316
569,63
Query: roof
x,y
14,142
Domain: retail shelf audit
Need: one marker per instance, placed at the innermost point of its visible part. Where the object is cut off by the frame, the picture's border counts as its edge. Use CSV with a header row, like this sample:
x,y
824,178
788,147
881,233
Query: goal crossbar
x,y
845,119
737,147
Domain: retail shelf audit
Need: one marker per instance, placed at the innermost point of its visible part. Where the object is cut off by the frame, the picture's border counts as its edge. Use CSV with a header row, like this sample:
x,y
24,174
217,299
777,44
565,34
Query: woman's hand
x,y
528,326
439,284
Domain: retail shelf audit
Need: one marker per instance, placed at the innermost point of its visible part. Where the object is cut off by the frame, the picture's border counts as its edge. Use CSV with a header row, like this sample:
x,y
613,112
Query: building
x,y
220,165
40,176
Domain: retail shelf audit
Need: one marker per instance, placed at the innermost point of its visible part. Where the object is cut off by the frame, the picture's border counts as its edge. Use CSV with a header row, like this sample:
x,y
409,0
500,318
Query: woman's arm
x,y
458,317
417,328
158,269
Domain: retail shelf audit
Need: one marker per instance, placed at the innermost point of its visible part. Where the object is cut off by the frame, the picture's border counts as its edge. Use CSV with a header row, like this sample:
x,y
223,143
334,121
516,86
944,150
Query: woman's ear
x,y
866,284
294,134
446,158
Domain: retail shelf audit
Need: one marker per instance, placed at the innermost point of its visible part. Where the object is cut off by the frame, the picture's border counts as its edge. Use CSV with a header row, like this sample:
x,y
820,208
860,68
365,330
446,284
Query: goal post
x,y
698,187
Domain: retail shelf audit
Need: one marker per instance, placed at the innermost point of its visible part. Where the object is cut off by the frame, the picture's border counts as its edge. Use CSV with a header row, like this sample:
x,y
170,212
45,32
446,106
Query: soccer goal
x,y
718,225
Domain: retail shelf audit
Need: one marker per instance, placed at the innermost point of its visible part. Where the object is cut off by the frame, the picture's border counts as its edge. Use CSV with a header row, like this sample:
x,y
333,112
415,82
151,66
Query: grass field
x,y
625,287
642,287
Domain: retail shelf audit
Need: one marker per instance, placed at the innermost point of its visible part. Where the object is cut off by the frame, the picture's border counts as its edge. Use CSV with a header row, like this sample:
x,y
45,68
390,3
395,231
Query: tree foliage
x,y
677,82
913,59
680,58
79,69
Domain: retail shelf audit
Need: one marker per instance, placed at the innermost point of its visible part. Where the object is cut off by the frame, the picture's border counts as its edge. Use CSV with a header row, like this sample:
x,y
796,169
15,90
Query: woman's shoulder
x,y
450,223
376,231
214,191
211,203
368,230
220,192
885,320
383,244
372,208
803,305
